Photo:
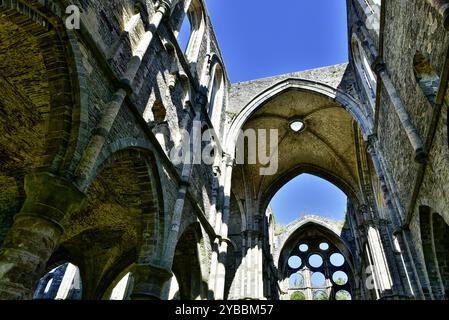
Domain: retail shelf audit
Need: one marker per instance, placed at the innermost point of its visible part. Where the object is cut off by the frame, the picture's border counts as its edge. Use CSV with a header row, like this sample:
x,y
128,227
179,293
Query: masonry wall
x,y
71,79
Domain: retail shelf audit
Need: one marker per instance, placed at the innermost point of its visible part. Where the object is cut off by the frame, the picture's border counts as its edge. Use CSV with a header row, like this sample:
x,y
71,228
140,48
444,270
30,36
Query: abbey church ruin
x,y
132,168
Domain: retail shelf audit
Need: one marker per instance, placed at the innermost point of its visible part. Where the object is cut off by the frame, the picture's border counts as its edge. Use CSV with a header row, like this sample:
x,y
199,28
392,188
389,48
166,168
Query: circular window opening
x,y
337,259
343,295
318,279
297,126
303,248
340,278
296,281
320,295
324,246
294,262
316,261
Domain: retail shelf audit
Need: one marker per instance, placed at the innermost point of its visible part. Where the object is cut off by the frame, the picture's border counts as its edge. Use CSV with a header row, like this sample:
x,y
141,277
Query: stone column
x,y
406,254
261,293
151,278
248,265
251,268
385,260
149,282
35,233
307,283
221,271
242,268
213,269
222,227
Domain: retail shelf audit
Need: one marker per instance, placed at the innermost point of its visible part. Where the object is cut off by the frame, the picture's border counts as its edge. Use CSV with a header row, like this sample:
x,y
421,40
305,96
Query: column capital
x,y
149,281
50,197
35,232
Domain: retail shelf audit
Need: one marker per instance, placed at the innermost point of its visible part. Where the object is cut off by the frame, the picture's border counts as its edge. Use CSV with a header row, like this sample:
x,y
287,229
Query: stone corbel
x,y
149,281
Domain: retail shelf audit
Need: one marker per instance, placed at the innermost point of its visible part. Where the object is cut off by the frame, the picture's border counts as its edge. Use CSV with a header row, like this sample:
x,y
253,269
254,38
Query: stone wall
x,y
92,117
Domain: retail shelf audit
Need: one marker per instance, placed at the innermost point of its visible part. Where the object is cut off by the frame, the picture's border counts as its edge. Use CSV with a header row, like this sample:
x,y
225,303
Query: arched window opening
x,y
308,195
317,270
435,246
380,264
366,74
426,77
441,241
123,288
185,34
48,286
186,90
173,291
216,97
191,32
61,283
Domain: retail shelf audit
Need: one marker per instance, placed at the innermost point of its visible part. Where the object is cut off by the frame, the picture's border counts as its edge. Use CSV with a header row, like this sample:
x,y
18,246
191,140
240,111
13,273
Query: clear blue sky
x,y
310,195
261,38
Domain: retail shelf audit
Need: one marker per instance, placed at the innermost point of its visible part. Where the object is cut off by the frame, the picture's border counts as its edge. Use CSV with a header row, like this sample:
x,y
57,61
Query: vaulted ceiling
x,y
324,147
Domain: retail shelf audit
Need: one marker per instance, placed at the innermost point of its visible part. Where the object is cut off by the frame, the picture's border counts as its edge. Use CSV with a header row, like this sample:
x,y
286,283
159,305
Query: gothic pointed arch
x,y
315,261
122,222
41,99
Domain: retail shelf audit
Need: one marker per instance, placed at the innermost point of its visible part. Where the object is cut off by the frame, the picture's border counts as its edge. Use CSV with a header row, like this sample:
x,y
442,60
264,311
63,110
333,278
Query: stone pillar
x,y
242,269
149,282
307,283
35,233
222,229
221,271
387,266
213,269
261,293
249,265
407,252
251,268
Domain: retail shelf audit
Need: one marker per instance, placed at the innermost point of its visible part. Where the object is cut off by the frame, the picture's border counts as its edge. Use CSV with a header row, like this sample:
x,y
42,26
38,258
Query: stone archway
x,y
314,250
120,223
329,143
37,101
187,265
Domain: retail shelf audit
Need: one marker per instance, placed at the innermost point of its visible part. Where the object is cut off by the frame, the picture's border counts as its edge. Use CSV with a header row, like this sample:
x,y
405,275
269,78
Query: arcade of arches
x,y
98,199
